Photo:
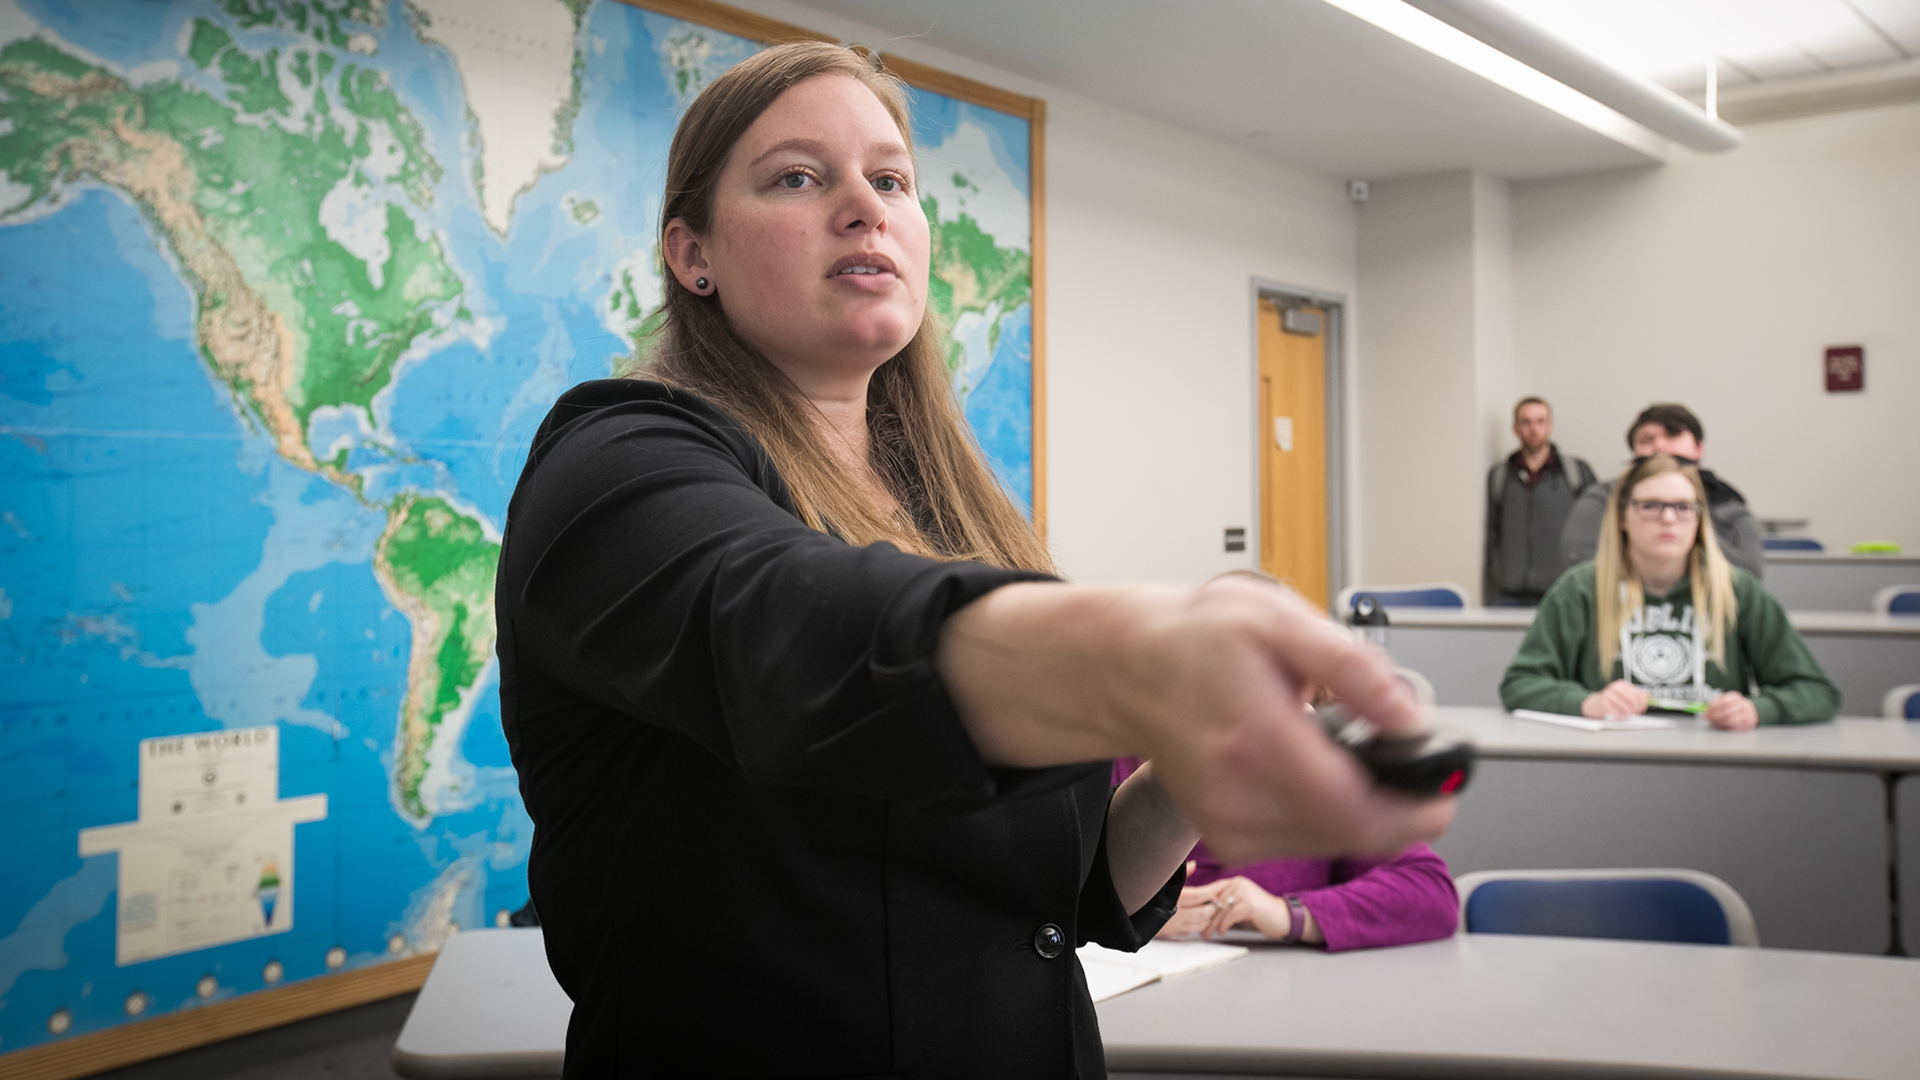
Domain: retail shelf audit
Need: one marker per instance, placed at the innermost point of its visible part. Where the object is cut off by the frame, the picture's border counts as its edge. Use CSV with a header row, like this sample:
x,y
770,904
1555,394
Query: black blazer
x,y
763,843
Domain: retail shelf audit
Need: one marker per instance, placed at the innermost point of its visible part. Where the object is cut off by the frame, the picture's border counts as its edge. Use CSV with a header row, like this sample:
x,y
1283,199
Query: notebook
x,y
1610,723
1111,973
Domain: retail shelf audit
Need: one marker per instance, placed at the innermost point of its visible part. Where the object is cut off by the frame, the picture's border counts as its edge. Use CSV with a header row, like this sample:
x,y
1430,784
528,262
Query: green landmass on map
x,y
287,317
317,18
972,273
569,110
438,566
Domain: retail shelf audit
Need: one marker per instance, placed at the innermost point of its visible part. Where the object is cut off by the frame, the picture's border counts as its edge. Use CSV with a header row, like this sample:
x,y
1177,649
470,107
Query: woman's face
x,y
1664,534
819,246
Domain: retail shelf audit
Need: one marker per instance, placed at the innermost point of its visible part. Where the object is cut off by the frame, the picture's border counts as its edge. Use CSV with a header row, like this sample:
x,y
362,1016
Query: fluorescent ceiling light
x,y
1672,39
1418,28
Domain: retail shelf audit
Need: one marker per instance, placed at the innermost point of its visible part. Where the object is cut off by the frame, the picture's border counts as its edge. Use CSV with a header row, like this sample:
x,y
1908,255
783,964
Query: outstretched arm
x,y
1207,682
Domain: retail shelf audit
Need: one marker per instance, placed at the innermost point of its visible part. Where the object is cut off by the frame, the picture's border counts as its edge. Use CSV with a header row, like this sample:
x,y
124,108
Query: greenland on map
x,y
285,289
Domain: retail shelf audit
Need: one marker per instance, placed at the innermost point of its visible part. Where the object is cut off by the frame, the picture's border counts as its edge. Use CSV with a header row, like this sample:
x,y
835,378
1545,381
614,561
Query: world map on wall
x,y
285,289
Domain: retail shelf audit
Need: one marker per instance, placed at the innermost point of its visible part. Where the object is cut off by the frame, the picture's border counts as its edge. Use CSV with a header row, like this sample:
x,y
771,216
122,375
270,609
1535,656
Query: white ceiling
x,y
1756,41
1297,79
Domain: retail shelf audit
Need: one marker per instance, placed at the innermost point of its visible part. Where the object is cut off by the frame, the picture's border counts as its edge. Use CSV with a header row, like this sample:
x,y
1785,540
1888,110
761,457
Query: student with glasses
x,y
1659,619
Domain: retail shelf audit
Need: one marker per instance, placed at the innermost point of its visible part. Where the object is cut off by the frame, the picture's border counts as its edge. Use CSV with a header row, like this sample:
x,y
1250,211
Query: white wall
x,y
1717,281
1436,304
1153,237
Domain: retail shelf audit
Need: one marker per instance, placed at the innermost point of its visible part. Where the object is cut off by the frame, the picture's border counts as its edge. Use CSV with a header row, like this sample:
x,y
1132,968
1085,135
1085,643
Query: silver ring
x,y
1232,900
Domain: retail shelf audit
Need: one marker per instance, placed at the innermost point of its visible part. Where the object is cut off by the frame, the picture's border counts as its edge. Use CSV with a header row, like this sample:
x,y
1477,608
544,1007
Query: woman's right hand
x,y
1617,698
1213,689
1210,683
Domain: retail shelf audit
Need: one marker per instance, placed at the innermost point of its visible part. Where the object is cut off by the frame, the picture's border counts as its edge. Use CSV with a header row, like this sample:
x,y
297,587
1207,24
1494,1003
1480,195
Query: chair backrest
x,y
1902,703
1635,905
1440,594
1421,686
1792,543
1892,600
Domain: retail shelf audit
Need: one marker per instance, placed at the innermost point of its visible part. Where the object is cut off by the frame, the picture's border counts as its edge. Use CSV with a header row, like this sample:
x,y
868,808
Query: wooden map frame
x,y
129,1043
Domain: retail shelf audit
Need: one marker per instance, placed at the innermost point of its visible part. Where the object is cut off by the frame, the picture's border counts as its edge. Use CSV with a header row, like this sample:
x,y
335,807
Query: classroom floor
x,y
350,1045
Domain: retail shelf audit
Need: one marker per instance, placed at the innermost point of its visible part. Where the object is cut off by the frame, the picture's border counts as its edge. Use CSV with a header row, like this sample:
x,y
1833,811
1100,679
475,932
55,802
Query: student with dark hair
x,y
1529,496
1670,429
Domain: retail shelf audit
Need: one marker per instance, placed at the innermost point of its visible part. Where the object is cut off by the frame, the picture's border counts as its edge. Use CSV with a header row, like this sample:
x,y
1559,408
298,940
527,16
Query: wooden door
x,y
1293,450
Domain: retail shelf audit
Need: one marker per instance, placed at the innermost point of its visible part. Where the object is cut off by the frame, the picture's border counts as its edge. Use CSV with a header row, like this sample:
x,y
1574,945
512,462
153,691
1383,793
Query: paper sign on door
x,y
1283,433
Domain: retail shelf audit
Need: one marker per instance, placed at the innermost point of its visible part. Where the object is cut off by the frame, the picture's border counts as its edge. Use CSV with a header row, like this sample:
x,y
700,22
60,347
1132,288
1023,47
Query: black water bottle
x,y
1367,614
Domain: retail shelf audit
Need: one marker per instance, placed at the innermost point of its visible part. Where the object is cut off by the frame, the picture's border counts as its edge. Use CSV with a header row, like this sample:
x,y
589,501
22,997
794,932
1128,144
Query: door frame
x,y
1338,501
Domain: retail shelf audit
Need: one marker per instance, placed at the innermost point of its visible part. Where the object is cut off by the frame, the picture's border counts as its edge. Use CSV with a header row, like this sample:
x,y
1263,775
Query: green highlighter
x,y
1678,706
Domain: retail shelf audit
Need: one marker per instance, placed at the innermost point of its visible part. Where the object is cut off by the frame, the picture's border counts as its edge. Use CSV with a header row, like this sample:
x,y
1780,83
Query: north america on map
x,y
285,289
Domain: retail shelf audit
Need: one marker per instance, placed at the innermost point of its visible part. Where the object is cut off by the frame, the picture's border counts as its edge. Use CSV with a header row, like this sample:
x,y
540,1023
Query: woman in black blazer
x,y
815,745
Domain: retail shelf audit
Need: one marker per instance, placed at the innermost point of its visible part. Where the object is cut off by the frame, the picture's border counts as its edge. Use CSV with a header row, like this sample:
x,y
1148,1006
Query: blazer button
x,y
1049,942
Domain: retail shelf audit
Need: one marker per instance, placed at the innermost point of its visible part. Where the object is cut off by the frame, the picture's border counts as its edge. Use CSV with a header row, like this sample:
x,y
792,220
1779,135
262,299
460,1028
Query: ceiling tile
x,y
1899,18
1784,62
1849,52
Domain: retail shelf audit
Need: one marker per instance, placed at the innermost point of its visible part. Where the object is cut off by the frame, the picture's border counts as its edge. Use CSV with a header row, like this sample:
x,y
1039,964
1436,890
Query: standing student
x,y
1335,904
1529,496
764,613
1660,618
1670,429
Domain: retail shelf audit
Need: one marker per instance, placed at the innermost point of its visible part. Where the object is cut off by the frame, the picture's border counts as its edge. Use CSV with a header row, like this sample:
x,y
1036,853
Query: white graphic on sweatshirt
x,y
1665,654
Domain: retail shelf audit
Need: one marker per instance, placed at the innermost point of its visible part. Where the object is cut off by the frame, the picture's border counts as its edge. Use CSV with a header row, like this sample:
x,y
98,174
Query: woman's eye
x,y
889,184
794,181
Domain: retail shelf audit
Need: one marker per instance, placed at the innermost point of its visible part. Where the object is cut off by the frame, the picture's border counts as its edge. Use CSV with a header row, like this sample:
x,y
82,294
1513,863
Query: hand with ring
x,y
1214,908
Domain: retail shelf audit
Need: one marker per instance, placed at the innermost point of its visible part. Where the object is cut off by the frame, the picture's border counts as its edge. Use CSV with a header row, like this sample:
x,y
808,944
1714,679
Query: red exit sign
x,y
1846,368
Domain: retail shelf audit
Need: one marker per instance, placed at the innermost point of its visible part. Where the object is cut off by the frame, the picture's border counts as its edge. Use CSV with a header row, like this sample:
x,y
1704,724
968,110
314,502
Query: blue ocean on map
x,y
167,571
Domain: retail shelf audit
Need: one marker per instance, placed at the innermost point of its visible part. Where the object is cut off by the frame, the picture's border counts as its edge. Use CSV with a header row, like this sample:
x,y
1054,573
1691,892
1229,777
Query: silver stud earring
x,y
699,283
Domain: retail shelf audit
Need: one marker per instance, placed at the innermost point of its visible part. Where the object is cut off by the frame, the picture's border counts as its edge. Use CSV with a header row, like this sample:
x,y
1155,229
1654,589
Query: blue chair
x,y
1898,600
1792,543
1437,595
1633,905
1902,703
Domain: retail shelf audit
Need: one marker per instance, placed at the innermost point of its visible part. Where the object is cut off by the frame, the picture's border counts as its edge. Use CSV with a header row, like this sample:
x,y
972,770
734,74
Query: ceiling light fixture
x,y
1541,50
1419,28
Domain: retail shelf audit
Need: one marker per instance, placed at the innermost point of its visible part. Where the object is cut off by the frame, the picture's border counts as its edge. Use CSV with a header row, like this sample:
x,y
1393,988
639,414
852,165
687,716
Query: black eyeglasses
x,y
1655,509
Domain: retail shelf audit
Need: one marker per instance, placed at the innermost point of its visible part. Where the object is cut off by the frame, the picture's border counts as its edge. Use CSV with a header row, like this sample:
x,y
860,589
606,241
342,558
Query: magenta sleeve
x,y
1371,904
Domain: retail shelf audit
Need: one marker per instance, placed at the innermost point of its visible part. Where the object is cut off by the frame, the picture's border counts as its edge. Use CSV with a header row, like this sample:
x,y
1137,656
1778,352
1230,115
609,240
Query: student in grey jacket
x,y
1670,429
1529,496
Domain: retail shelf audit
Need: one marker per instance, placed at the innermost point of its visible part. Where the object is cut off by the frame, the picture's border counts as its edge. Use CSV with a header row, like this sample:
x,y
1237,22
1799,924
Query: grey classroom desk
x,y
1817,582
1465,651
1474,1005
1489,1005
490,1009
1795,818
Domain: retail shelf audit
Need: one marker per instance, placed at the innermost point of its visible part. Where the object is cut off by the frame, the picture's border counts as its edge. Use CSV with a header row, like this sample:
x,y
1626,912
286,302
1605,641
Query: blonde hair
x,y
920,446
1617,592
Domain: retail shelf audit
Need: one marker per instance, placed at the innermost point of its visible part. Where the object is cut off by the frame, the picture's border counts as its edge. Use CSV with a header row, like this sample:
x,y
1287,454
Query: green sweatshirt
x,y
1559,662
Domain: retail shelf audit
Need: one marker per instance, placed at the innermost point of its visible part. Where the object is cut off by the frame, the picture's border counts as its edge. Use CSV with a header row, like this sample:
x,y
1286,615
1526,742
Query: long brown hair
x,y
919,445
1617,593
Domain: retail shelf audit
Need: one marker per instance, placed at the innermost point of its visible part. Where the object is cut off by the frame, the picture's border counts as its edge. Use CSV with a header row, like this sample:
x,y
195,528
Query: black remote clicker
x,y
1424,763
